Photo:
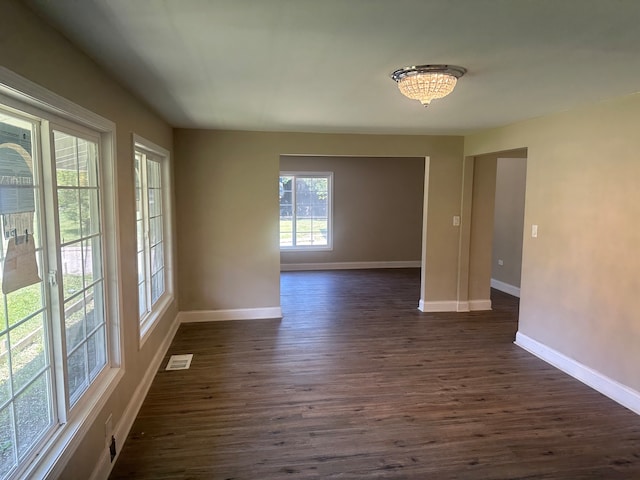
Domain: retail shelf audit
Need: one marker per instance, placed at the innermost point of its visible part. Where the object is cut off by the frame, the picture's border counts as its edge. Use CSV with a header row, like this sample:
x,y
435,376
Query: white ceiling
x,y
324,65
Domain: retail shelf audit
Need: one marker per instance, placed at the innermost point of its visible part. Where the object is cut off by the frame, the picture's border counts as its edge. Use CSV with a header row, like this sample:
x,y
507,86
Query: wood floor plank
x,y
355,383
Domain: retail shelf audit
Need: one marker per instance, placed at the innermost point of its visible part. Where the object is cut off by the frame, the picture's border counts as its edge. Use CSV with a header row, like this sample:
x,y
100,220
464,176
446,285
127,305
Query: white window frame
x,y
73,422
147,322
311,248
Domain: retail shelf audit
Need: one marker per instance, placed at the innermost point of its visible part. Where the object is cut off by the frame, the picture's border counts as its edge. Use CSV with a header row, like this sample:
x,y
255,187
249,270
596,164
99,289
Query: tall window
x,y
27,397
56,342
305,210
80,238
152,227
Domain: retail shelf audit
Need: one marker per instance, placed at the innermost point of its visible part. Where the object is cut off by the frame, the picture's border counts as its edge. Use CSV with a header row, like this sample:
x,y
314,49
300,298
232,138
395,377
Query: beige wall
x,y
509,220
227,209
33,50
377,208
482,208
580,276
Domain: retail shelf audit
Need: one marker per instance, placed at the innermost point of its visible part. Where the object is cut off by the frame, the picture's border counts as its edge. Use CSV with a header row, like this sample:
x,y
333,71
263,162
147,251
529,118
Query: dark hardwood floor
x,y
355,383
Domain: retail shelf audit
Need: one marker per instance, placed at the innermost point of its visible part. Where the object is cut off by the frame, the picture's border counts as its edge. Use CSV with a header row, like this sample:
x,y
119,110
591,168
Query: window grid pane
x,y
33,414
304,210
77,373
9,453
142,298
157,285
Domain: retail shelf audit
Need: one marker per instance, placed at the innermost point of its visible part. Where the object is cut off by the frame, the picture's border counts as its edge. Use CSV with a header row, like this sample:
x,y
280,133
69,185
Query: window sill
x,y
56,453
306,249
147,327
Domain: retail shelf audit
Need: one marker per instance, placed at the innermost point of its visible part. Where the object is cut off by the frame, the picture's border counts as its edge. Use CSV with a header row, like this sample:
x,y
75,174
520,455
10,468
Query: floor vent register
x,y
180,362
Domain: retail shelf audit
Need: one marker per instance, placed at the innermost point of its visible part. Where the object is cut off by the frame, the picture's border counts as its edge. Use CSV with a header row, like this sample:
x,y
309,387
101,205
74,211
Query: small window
x,y
305,210
153,232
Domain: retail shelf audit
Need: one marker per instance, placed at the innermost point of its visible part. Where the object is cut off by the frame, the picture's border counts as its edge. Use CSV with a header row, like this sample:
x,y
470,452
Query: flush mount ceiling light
x,y
426,82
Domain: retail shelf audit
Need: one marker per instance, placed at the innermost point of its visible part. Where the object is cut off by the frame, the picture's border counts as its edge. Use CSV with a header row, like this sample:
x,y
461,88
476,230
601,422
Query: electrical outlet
x,y
456,220
534,231
112,448
500,262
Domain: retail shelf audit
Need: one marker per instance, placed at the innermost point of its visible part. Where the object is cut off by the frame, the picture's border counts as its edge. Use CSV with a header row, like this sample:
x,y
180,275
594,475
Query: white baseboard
x,y
618,392
123,427
462,306
479,305
454,306
291,267
121,430
233,314
505,287
443,306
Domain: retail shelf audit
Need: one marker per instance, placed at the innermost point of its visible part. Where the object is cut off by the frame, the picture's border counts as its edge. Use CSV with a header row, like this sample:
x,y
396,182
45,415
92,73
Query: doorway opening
x,y
491,240
377,212
508,227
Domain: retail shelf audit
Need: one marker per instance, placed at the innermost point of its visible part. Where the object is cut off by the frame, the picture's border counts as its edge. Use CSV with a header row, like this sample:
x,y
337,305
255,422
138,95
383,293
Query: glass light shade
x,y
427,86
427,82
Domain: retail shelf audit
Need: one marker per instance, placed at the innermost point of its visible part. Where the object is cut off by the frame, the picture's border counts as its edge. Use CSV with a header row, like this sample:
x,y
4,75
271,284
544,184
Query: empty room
x,y
319,239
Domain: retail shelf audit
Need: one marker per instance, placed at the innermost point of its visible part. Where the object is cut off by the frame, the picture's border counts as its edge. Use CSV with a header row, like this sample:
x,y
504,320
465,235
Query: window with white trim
x,y
153,231
59,332
305,210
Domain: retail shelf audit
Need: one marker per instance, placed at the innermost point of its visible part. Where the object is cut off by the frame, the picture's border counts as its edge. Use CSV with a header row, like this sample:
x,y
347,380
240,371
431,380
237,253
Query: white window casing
x,y
306,211
79,263
154,227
